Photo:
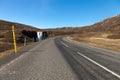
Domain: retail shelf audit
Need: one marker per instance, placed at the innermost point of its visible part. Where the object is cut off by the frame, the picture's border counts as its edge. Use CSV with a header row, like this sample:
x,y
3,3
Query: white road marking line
x,y
105,68
64,44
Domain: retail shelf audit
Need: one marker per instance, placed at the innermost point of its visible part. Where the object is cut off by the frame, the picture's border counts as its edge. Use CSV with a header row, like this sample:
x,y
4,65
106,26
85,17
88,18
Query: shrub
x,y
114,36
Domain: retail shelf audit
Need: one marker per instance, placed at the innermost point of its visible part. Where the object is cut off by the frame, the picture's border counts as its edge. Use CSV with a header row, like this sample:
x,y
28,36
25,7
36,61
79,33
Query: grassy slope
x,y
98,40
6,41
105,34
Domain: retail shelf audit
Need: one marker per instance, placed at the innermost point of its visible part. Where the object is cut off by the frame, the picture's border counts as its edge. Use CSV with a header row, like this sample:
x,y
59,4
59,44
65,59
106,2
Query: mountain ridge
x,y
6,25
107,25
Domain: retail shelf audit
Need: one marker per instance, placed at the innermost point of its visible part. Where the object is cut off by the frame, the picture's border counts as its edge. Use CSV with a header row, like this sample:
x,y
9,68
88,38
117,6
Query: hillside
x,y
105,34
111,25
6,25
6,41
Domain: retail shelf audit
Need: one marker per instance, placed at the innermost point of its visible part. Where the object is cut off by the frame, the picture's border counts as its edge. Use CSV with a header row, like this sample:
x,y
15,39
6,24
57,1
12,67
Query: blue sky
x,y
58,13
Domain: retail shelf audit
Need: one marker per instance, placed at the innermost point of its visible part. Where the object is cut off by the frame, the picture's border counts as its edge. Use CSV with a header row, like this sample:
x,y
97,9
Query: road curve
x,y
61,59
90,63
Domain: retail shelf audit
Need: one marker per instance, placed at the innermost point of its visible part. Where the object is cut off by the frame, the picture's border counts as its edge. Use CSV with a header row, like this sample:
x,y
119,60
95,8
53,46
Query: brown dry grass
x,y
99,41
8,52
5,53
114,36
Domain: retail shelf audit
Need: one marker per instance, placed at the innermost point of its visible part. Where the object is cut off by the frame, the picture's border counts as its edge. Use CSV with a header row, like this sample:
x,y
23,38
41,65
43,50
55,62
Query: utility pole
x,y
14,39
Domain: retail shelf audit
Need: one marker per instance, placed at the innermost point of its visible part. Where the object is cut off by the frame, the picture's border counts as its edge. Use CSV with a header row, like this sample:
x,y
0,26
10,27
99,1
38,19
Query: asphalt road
x,y
61,59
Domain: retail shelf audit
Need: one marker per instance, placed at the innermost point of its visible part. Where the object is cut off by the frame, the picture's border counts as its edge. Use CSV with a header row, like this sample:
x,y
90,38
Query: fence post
x,y
25,41
14,39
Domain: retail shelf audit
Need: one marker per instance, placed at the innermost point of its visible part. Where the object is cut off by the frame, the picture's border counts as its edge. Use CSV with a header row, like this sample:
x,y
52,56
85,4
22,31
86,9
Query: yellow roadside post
x,y
14,39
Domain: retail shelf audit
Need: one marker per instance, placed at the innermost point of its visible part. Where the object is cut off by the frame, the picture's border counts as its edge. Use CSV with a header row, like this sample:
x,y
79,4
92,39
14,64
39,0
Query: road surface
x,y
62,59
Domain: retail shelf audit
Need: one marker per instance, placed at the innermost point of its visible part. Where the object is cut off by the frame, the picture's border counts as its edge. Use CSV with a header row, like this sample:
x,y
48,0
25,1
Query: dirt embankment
x,y
104,40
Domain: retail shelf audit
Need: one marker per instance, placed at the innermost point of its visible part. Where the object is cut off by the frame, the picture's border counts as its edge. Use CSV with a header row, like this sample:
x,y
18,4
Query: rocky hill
x,y
111,25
